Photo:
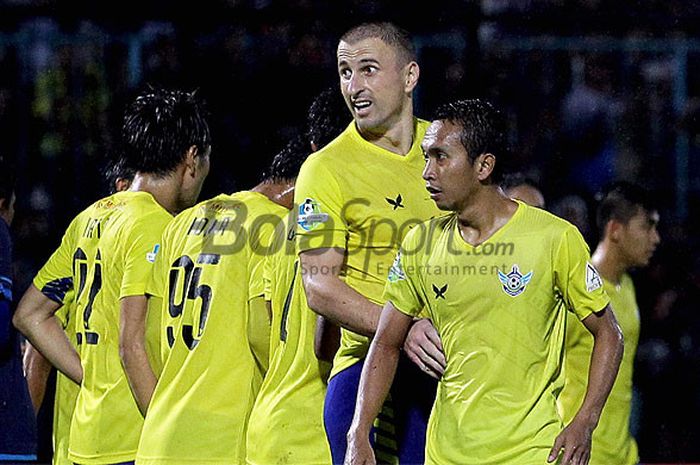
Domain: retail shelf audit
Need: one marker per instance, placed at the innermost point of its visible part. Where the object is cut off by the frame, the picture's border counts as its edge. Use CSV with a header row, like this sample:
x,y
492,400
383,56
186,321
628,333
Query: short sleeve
x,y
401,287
576,278
142,248
159,271
319,205
55,278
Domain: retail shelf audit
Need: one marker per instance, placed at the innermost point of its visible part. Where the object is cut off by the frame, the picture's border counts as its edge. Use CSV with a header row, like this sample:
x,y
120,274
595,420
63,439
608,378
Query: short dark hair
x,y
389,33
7,179
620,201
484,130
117,169
515,179
286,164
327,117
159,127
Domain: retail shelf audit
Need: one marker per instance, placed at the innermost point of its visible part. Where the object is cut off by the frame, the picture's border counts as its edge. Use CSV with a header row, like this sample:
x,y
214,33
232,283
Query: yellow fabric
x,y
201,404
107,251
612,441
503,334
286,424
364,199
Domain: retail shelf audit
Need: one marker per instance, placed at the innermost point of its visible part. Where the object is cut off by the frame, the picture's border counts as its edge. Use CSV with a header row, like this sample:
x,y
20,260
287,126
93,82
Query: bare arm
x,y
36,371
377,375
35,319
605,361
132,349
332,298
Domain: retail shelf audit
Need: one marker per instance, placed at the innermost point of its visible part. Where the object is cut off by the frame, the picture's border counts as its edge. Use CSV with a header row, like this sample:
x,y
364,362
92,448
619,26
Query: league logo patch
x,y
151,256
310,215
593,280
396,271
514,283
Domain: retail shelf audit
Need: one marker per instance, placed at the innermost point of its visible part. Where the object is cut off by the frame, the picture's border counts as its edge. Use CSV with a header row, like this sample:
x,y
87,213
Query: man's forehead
x,y
370,48
440,131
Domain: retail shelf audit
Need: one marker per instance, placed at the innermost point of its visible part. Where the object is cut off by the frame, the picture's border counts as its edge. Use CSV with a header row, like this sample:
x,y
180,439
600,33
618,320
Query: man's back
x,y
105,255
206,390
296,380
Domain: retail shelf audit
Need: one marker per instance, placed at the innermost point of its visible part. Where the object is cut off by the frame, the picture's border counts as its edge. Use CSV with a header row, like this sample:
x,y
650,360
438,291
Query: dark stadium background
x,y
595,90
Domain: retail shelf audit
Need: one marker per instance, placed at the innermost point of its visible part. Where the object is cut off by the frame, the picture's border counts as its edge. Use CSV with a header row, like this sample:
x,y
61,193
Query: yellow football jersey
x,y
612,441
500,309
107,254
286,424
360,197
206,275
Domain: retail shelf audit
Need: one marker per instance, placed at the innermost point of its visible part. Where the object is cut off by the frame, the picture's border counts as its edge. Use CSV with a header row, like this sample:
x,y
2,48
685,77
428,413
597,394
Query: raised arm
x,y
575,438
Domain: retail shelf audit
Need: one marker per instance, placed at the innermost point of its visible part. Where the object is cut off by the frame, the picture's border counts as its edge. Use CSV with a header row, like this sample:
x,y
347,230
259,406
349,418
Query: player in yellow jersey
x,y
296,380
357,198
627,220
37,368
214,321
497,277
106,255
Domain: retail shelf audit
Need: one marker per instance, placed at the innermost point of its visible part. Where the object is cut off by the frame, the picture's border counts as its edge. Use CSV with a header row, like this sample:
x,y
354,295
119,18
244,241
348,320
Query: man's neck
x,y
282,193
487,212
608,262
163,189
398,138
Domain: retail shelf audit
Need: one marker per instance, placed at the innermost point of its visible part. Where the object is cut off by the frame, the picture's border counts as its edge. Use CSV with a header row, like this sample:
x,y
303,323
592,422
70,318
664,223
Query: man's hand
x,y
424,348
575,439
359,451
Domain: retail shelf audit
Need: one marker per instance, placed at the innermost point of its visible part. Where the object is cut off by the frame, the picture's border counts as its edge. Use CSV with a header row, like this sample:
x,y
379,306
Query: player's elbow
x,y
22,319
317,293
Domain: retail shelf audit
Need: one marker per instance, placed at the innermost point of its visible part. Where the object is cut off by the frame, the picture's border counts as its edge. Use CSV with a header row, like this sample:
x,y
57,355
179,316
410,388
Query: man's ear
x,y
191,160
484,166
412,74
613,230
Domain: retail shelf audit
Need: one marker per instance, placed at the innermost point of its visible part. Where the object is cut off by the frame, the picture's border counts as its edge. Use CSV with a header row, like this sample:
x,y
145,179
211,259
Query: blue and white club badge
x,y
310,215
514,283
151,256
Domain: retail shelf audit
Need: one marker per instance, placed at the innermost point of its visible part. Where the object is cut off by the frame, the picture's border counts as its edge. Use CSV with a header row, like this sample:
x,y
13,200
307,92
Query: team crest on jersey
x,y
514,283
593,280
151,256
396,271
310,215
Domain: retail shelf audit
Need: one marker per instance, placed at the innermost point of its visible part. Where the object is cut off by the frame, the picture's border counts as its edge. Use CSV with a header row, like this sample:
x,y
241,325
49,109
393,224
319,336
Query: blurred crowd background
x,y
595,90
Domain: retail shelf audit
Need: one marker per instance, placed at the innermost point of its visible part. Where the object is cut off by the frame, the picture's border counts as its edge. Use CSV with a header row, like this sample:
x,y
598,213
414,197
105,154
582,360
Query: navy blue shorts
x,y
413,394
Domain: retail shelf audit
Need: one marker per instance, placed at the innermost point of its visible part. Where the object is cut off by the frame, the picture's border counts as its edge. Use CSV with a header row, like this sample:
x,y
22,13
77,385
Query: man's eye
x,y
345,73
369,69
